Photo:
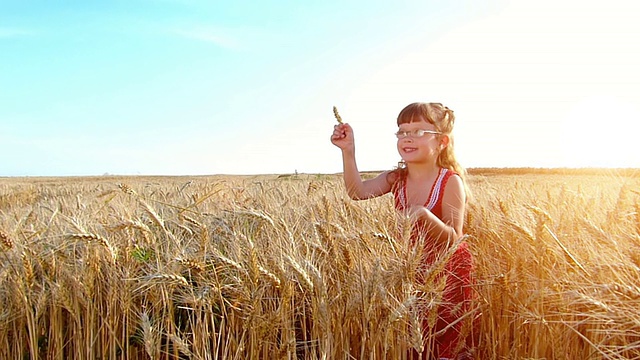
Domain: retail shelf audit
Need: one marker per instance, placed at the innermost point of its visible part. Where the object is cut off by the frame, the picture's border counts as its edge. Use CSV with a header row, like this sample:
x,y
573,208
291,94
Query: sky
x,y
190,87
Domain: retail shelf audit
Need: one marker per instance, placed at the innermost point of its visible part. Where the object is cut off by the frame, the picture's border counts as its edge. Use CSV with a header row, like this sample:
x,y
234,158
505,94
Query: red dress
x,y
458,269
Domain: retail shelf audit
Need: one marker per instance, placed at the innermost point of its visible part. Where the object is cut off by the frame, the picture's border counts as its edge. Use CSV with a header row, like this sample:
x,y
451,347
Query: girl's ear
x,y
444,141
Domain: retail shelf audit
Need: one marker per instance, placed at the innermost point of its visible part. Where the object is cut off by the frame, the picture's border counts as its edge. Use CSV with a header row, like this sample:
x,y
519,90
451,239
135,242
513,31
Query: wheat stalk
x,y
27,266
149,335
346,255
182,346
192,221
566,250
312,187
521,230
89,237
171,278
402,309
257,214
300,271
636,208
335,113
269,275
435,299
392,242
134,224
126,189
415,330
156,218
225,260
543,216
191,264
6,240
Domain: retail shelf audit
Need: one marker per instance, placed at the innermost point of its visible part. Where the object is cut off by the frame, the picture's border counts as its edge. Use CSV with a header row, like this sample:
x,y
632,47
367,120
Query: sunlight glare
x,y
601,131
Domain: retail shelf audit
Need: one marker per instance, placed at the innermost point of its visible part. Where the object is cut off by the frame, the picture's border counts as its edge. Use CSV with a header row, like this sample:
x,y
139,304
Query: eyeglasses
x,y
415,133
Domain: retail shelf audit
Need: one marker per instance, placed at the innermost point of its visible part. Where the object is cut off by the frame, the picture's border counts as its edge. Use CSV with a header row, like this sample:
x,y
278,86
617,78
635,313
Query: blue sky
x,y
188,87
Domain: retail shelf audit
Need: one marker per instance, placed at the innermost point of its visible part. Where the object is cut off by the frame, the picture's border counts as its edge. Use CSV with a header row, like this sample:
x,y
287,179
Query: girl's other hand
x,y
416,212
342,137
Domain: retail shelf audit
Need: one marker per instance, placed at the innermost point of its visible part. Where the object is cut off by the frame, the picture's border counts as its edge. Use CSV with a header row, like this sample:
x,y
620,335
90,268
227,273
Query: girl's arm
x,y
356,188
449,228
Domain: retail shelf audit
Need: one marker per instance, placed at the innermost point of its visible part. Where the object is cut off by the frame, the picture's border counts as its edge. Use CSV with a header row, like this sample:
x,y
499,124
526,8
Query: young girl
x,y
430,189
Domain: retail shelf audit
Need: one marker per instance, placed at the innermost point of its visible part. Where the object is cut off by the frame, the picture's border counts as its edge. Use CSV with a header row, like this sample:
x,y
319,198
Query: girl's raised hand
x,y
342,137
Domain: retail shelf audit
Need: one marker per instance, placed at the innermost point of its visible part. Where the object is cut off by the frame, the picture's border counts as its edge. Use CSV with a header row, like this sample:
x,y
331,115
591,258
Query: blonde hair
x,y
442,118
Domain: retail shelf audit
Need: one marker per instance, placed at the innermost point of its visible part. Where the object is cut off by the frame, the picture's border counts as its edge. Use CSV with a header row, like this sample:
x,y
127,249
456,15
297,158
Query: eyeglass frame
x,y
415,133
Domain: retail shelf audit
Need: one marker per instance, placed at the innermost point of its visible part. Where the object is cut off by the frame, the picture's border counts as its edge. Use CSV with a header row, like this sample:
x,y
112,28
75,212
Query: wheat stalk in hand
x,y
335,112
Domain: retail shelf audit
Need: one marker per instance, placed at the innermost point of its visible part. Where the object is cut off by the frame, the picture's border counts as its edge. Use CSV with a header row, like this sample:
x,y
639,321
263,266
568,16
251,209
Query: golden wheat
x,y
277,268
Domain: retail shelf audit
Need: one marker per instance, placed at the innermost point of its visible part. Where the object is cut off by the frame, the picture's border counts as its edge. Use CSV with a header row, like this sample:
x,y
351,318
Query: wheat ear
x,y
338,117
191,264
192,221
269,275
154,215
89,237
126,189
171,278
149,335
303,274
227,261
6,240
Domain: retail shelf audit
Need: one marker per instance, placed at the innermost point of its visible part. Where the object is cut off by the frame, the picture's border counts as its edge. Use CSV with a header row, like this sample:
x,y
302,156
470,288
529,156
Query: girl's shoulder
x,y
453,185
395,176
449,172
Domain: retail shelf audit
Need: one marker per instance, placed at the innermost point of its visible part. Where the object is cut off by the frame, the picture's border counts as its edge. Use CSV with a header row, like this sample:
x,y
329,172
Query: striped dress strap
x,y
437,189
398,189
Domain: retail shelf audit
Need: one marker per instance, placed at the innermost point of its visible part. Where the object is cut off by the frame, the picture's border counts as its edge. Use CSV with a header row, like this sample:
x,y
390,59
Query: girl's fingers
x,y
339,131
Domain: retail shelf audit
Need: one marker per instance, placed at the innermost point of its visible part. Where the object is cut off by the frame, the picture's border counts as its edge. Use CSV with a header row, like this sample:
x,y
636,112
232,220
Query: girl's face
x,y
416,146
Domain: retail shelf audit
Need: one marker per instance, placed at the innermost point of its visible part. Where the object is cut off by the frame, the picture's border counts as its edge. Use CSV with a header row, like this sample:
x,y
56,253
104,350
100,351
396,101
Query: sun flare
x,y
600,131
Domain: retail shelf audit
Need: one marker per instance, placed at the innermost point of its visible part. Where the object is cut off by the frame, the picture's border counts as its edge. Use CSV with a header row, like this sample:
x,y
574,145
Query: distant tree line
x,y
627,172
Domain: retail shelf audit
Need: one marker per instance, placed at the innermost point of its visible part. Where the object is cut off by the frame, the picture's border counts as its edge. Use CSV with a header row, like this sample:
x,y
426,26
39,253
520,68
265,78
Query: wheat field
x,y
287,267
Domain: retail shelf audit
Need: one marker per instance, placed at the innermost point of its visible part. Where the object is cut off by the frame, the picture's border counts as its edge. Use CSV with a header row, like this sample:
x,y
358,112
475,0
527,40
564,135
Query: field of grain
x,y
286,267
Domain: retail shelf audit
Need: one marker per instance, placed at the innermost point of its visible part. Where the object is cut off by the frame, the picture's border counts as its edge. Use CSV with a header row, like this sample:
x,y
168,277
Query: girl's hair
x,y
442,118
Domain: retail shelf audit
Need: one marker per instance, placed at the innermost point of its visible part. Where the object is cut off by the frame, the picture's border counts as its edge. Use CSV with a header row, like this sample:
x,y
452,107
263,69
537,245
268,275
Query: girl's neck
x,y
422,171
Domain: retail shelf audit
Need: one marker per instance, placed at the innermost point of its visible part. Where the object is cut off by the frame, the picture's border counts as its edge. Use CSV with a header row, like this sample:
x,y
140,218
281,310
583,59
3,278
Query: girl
x,y
430,189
